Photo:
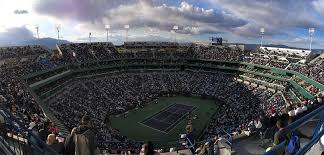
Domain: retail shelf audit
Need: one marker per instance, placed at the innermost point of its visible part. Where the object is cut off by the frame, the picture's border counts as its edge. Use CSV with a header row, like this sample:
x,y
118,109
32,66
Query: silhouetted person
x,y
84,139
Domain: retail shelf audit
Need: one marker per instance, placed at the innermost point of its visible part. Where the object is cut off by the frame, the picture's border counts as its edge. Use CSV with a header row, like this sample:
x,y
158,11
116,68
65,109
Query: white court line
x,y
178,120
151,116
173,125
153,128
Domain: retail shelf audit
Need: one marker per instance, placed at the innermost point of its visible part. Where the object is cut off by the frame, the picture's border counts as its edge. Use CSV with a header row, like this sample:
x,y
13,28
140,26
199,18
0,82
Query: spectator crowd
x,y
116,93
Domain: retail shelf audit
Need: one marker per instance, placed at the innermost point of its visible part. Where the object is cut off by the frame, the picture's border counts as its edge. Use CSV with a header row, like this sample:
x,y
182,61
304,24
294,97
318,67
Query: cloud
x,y
275,15
233,19
81,10
20,12
319,6
15,35
94,14
300,42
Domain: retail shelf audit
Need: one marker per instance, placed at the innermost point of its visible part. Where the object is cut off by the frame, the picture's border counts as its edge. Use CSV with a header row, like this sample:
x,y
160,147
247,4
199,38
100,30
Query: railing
x,y
318,133
281,147
18,139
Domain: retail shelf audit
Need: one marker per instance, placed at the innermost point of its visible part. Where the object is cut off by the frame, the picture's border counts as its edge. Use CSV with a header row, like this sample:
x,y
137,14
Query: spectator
x,y
53,129
298,109
69,145
44,132
2,119
291,112
34,133
284,115
54,144
282,134
2,100
85,139
215,144
148,149
206,150
304,108
190,138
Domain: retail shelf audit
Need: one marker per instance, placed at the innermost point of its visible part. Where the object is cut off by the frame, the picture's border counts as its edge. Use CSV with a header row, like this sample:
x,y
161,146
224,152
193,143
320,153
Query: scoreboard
x,y
216,40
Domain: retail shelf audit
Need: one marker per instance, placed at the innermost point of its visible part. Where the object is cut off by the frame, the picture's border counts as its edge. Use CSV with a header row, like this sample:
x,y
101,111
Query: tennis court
x,y
166,119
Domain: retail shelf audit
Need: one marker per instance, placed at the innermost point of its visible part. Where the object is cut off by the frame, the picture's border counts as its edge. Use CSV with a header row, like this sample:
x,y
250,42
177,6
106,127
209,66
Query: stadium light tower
x,y
127,28
262,34
311,32
37,29
107,27
175,28
58,33
89,37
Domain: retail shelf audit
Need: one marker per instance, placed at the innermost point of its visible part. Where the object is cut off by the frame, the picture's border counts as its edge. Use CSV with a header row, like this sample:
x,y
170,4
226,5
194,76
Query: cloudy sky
x,y
285,21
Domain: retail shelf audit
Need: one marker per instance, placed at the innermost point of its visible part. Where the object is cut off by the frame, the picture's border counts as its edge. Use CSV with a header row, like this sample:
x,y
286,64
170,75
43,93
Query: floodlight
x,y
175,27
107,27
58,26
37,28
262,33
311,31
126,27
262,30
90,37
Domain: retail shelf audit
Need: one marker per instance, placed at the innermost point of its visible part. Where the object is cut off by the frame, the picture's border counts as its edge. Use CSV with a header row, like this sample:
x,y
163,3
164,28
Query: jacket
x,y
85,141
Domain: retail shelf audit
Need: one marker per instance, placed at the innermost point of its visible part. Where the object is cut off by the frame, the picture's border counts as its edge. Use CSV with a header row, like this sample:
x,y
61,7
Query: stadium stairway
x,y
61,128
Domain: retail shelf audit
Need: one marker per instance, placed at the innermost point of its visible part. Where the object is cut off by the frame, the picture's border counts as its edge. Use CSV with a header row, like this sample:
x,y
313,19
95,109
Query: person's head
x,y
2,99
149,148
284,111
305,102
189,122
51,139
86,121
13,108
290,120
206,145
320,97
32,125
73,130
189,128
280,124
46,125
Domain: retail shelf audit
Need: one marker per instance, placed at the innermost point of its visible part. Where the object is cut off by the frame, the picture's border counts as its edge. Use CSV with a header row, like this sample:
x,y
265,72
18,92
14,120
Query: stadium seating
x,y
103,79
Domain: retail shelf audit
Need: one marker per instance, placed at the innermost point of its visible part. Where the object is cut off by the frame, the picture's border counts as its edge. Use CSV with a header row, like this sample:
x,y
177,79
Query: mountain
x,y
255,46
49,42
